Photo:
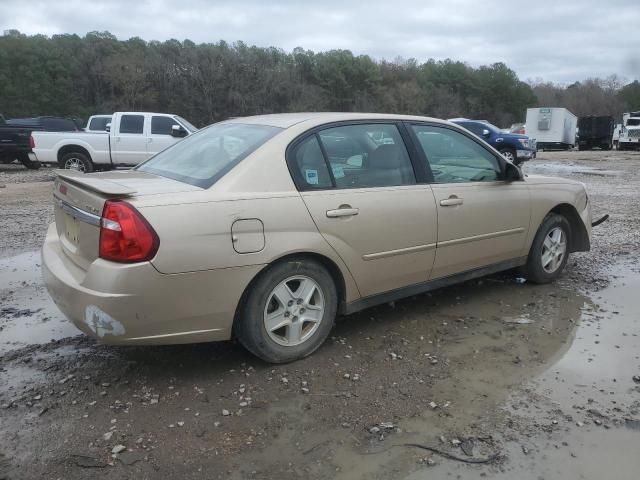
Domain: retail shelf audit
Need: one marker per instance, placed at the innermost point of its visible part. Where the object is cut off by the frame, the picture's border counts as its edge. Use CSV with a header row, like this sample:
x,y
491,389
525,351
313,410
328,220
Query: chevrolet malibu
x,y
265,228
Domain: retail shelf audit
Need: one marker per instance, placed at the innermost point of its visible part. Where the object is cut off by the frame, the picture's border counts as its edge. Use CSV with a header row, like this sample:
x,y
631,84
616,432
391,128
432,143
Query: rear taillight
x,y
125,235
32,143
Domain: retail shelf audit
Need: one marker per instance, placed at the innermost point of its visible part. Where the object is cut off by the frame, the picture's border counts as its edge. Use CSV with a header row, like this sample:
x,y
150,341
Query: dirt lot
x,y
496,378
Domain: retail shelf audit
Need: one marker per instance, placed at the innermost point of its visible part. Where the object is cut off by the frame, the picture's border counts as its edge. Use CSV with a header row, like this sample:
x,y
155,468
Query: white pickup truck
x,y
132,137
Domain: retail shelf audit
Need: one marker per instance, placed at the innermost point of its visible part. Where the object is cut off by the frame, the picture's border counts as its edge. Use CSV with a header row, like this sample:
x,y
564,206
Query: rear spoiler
x,y
96,184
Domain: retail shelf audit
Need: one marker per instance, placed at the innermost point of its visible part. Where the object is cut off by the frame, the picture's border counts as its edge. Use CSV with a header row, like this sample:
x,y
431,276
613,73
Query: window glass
x,y
99,123
131,123
372,155
454,157
473,127
162,125
204,157
310,164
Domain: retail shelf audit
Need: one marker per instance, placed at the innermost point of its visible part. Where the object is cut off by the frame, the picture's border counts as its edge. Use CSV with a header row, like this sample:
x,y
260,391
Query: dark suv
x,y
515,147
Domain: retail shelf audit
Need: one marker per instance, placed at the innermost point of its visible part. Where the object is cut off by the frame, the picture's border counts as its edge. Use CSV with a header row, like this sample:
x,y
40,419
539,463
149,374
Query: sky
x,y
552,40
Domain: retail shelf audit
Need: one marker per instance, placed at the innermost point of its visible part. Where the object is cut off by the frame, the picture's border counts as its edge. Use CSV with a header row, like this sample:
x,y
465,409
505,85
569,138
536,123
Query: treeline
x,y
69,75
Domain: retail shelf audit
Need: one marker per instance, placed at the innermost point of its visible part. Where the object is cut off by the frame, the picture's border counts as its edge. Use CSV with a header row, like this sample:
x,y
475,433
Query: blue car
x,y
515,147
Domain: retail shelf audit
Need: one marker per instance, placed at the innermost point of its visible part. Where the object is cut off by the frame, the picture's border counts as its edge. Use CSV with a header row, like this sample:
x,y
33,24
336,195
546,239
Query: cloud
x,y
555,40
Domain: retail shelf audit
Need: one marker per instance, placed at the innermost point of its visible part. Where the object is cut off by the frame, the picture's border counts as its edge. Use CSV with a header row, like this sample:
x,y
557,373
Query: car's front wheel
x,y
550,249
509,154
288,312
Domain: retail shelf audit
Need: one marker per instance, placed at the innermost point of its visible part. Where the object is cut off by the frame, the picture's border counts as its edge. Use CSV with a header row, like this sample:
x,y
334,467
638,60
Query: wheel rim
x,y
554,249
294,310
74,164
508,155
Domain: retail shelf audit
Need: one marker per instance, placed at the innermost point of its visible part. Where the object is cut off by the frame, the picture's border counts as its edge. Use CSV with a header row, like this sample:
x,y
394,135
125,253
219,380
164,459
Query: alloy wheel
x,y
294,310
554,249
74,164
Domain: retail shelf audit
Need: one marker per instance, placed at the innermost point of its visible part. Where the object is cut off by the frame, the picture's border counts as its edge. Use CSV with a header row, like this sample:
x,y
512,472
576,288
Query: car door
x,y
482,219
359,185
160,135
129,143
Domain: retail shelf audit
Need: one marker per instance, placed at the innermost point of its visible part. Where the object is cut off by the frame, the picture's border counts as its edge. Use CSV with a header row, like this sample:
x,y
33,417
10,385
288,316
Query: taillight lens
x,y
32,143
125,235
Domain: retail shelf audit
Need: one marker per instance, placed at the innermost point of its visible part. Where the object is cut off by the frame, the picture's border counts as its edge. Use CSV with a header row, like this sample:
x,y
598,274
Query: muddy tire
x,y
550,250
76,161
31,165
288,312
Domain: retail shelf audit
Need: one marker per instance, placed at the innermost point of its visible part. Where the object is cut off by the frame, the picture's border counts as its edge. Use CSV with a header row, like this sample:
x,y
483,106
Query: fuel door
x,y
247,235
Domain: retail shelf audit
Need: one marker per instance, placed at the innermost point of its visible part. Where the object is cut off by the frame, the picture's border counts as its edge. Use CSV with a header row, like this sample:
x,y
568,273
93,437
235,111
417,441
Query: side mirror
x,y
486,132
107,127
512,172
178,131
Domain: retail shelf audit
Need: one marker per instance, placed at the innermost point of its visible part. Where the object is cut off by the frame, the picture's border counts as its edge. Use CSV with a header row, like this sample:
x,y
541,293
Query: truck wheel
x,y
76,161
24,159
288,311
509,154
550,249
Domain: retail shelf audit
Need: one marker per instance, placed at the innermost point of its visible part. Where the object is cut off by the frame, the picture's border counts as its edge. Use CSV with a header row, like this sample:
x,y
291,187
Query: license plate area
x,y
72,229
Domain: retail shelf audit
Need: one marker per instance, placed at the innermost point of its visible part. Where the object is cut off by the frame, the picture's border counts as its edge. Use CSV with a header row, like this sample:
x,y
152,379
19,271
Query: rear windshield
x,y
206,156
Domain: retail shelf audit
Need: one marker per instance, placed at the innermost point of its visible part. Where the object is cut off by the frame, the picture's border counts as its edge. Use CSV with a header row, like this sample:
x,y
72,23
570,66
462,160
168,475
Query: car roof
x,y
286,120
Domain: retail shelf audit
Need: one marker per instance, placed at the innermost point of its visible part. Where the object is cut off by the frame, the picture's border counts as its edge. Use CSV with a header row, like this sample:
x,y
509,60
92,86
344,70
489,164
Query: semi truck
x,y
595,131
551,128
629,138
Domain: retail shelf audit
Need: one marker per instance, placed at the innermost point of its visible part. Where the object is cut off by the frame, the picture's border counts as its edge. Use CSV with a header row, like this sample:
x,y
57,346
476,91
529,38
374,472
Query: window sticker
x,y
311,176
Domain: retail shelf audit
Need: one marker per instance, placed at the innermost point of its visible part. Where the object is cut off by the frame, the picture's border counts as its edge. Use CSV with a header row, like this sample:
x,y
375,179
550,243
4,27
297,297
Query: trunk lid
x,y
79,200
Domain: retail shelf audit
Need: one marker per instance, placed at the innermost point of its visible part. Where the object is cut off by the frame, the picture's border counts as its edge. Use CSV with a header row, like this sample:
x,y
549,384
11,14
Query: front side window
x,y
132,124
162,125
354,156
454,157
204,157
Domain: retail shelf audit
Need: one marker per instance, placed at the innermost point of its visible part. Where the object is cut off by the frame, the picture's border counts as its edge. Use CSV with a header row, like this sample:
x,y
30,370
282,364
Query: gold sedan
x,y
265,228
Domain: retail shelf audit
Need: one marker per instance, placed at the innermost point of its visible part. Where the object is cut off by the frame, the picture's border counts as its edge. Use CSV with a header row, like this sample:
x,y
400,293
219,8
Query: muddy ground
x,y
527,381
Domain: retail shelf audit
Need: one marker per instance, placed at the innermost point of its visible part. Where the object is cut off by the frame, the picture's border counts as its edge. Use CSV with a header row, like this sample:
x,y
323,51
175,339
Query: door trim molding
x,y
484,236
399,251
423,287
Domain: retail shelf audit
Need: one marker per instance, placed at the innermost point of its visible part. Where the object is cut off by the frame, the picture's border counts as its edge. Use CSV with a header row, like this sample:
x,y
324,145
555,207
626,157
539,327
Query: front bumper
x,y
525,154
135,304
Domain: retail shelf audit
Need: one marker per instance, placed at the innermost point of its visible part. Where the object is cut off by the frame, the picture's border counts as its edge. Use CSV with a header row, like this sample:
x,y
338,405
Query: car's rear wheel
x,y
509,154
288,312
76,161
550,249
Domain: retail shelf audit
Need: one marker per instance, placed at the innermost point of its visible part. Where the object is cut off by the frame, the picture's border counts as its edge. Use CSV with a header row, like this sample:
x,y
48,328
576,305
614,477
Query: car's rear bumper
x,y
135,304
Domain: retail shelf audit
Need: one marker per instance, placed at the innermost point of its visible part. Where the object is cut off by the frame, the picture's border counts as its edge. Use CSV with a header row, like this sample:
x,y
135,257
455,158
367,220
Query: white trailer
x,y
552,128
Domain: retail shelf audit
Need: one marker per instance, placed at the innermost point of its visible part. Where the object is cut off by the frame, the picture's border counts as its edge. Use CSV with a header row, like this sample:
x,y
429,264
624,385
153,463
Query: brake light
x,y
125,235
32,143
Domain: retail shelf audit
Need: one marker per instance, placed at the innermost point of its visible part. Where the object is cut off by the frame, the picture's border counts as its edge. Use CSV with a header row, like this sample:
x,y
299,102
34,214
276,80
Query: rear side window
x,y
162,125
99,123
206,156
132,124
355,156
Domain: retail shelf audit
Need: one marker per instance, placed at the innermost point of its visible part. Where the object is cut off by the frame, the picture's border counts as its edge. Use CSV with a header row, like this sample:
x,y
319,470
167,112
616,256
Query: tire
x,y
76,161
31,165
509,154
267,296
542,247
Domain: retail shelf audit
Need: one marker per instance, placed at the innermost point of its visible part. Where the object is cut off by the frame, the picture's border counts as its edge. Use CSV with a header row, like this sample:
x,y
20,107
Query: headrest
x,y
387,156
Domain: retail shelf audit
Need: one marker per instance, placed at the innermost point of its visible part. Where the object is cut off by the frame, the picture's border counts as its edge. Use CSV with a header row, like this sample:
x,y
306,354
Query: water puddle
x,y
27,313
543,168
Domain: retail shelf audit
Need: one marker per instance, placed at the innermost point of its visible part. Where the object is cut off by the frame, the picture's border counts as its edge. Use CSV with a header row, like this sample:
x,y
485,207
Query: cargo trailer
x,y
552,128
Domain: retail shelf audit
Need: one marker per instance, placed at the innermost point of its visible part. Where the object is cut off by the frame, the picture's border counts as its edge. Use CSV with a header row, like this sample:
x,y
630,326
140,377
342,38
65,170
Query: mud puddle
x,y
27,313
568,169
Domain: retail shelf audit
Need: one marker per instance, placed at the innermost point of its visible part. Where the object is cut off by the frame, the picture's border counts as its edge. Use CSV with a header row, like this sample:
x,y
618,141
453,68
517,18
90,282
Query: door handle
x,y
451,201
343,211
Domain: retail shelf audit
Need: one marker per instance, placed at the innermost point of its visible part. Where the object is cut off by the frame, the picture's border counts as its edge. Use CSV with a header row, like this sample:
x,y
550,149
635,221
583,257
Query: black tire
x,y
31,165
249,326
509,154
81,160
535,271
